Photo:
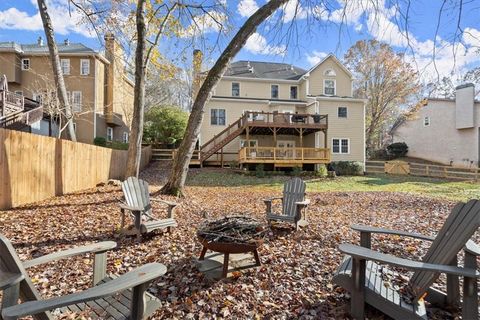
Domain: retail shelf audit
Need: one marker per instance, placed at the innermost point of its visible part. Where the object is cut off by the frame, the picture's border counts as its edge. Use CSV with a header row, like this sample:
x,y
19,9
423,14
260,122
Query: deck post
x,y
221,157
325,139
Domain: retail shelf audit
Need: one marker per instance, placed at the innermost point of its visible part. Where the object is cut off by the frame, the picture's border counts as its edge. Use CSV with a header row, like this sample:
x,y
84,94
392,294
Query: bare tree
x,y
57,69
181,162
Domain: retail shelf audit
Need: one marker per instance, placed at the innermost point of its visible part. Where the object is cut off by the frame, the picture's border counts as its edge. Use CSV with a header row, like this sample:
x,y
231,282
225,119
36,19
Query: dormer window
x,y
329,87
330,73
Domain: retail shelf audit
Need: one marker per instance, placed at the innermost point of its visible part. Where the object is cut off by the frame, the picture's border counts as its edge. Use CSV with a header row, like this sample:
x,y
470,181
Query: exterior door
x,y
286,148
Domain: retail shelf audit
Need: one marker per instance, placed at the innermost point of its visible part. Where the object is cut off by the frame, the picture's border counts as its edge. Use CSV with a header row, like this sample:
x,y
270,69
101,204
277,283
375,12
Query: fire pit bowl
x,y
231,235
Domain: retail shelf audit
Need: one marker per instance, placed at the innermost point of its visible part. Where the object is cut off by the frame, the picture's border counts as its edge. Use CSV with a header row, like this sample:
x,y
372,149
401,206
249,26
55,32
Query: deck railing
x,y
275,154
10,102
285,119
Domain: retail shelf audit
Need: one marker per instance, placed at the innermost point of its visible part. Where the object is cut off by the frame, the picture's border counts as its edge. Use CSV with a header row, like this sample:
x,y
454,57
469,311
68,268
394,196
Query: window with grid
x,y
25,64
426,121
65,63
342,112
76,100
340,146
329,87
217,117
109,133
84,67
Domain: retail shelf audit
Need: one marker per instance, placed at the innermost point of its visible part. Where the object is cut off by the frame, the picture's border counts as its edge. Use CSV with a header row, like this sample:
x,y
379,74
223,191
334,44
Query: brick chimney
x,y
464,106
113,74
197,69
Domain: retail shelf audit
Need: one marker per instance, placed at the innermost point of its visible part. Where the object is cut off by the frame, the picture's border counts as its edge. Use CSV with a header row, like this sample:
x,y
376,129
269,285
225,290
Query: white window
x,y
342,112
235,89
330,72
76,101
252,144
217,117
340,145
84,67
254,115
25,64
329,87
274,91
65,63
37,97
109,133
426,122
125,137
294,92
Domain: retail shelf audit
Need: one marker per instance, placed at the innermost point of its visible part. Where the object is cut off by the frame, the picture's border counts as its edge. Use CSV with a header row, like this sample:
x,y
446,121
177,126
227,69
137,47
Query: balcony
x,y
286,157
10,103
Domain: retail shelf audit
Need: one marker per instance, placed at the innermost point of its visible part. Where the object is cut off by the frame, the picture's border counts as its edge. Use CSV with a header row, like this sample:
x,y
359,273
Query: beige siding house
x,y
444,130
283,116
100,93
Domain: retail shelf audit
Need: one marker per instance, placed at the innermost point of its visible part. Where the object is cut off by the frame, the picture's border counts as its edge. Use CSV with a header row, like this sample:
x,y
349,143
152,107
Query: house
x,y
283,116
100,93
444,130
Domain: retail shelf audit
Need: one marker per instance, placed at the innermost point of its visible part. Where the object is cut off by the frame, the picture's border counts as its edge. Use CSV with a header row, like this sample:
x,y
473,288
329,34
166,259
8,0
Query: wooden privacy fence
x,y
423,170
34,167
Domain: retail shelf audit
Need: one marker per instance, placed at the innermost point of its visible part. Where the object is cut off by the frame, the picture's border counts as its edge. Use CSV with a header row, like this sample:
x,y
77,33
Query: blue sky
x,y
456,49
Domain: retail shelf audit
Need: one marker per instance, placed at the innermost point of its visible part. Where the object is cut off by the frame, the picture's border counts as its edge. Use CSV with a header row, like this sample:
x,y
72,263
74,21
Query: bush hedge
x,y
346,168
397,149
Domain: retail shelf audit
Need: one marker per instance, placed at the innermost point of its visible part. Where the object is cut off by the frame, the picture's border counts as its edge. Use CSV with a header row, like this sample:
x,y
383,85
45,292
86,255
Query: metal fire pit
x,y
228,248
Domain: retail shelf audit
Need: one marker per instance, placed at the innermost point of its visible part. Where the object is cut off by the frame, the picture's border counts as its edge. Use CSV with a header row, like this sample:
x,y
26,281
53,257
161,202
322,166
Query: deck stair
x,y
223,138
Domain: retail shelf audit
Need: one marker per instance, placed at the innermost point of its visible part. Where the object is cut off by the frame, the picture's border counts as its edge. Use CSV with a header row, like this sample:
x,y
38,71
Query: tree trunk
x,y
179,172
57,69
136,133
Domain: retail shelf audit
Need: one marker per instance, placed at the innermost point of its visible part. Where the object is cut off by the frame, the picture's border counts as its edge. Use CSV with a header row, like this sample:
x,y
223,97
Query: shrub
x,y
117,145
347,168
321,171
397,149
381,154
296,171
260,171
100,141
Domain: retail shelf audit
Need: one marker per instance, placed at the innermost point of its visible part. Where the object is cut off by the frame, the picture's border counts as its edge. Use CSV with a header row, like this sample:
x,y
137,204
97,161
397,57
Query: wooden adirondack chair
x,y
138,200
122,297
362,276
293,203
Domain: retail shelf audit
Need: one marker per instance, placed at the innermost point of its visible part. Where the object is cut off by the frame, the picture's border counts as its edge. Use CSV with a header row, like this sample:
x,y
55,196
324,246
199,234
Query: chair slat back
x,y
10,262
459,227
293,191
136,193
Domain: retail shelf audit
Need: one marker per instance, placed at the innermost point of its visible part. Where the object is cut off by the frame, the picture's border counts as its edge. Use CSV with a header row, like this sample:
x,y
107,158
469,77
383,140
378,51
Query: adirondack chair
x,y
360,274
138,200
122,297
293,203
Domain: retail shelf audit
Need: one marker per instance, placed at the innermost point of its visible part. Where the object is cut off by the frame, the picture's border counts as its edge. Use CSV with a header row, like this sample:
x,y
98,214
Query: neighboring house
x,y
283,116
100,93
444,130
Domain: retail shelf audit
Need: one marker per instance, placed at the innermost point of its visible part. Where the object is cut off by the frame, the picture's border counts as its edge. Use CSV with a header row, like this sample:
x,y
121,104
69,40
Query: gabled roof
x,y
331,55
264,70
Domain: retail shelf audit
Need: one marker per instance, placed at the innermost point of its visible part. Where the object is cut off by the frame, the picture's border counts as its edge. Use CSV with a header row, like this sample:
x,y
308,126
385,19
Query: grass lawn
x,y
448,189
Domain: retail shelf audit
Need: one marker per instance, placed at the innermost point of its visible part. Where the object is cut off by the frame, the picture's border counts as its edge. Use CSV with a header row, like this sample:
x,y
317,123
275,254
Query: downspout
x,y
94,98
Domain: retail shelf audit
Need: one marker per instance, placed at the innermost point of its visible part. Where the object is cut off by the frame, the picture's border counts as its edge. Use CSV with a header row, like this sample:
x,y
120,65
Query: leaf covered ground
x,y
293,282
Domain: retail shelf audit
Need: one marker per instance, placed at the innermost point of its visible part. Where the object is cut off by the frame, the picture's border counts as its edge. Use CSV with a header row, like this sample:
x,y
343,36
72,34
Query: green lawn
x,y
454,190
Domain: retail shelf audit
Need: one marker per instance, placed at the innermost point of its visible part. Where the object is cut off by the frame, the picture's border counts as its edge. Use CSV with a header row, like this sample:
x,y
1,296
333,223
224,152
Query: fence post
x,y
427,173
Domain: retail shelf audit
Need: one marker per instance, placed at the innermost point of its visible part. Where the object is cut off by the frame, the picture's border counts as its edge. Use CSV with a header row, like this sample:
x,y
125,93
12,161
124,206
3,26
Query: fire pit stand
x,y
231,235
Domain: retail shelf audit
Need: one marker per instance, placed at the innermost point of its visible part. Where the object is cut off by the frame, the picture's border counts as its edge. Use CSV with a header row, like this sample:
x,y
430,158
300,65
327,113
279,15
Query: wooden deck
x,y
284,157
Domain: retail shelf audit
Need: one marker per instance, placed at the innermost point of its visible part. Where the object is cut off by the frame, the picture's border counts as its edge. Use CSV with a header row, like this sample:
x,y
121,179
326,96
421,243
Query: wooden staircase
x,y
223,138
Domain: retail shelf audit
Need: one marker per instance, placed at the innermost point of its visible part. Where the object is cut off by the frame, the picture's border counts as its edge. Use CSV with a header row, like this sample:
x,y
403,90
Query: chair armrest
x,y
127,207
271,199
169,203
305,202
8,279
369,229
91,248
129,280
472,247
369,254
